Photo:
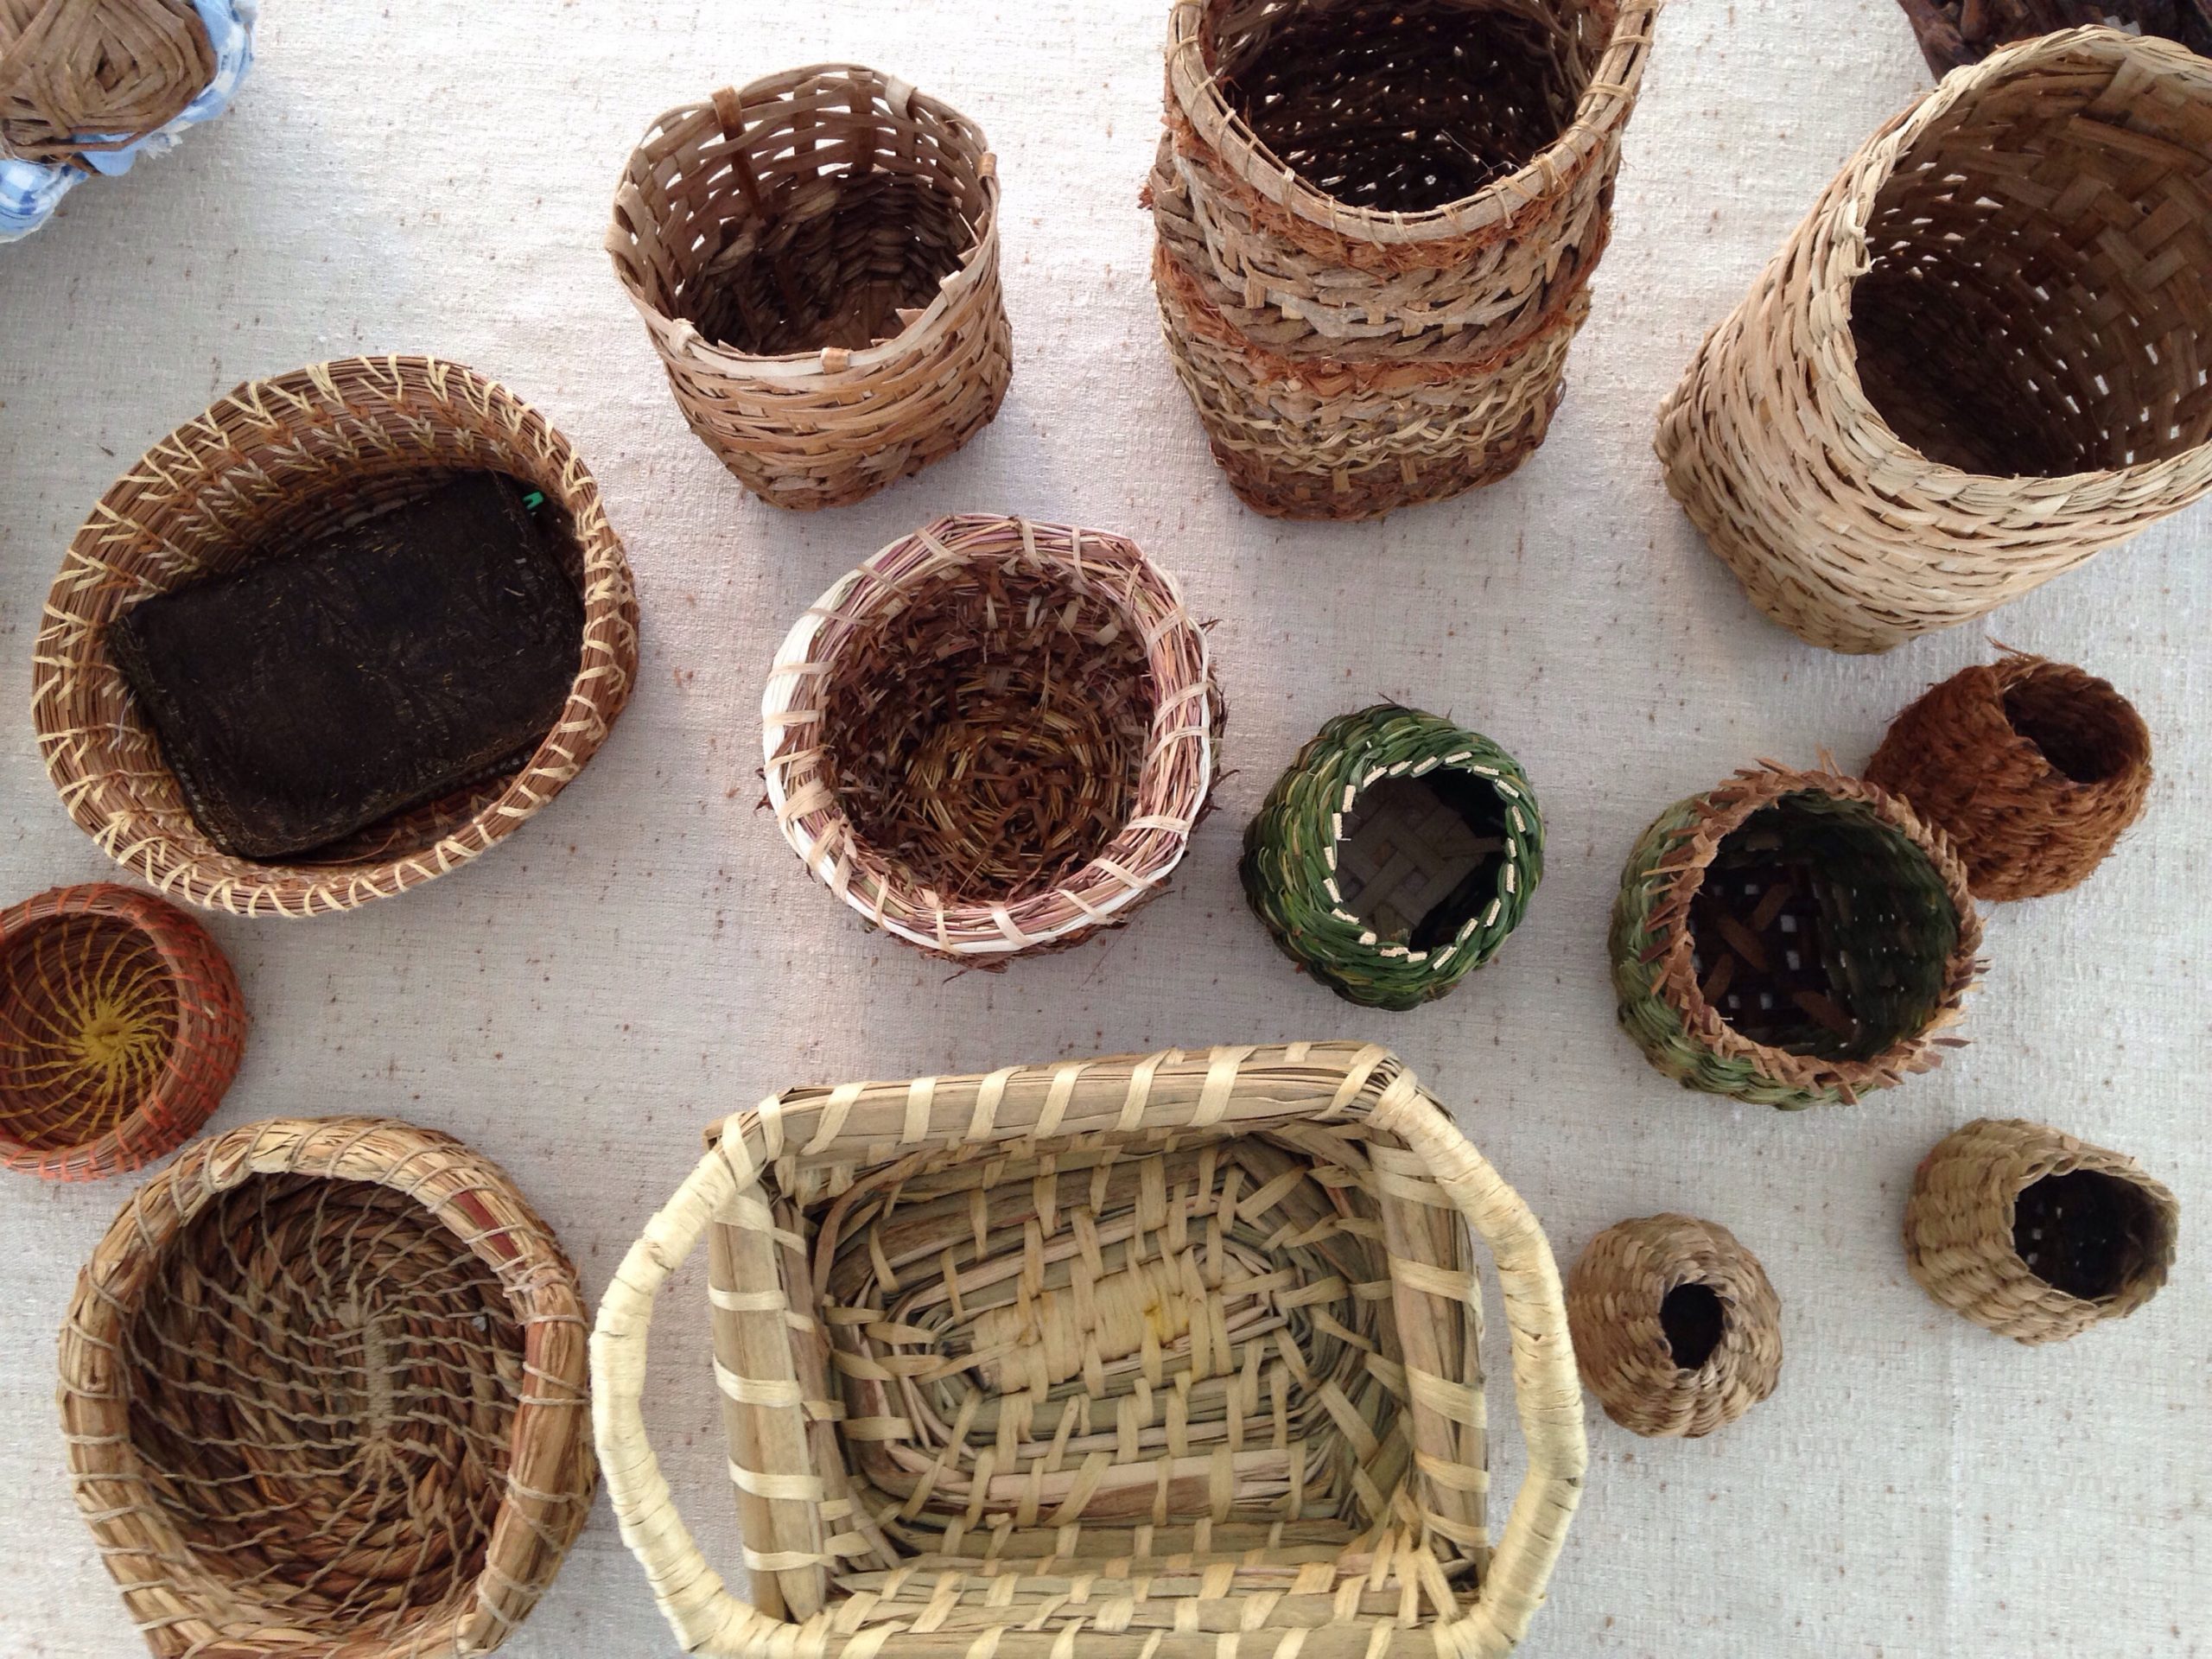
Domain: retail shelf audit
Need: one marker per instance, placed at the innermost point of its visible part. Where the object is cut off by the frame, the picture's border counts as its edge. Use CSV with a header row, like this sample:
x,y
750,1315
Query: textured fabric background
x,y
648,955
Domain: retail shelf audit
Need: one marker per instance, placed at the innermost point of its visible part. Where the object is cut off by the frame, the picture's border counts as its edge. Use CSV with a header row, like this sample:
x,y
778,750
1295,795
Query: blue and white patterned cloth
x,y
30,191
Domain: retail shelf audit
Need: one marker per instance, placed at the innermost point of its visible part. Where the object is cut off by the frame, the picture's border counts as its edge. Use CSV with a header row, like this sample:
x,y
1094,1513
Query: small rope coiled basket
x,y
81,77
2034,769
1376,226
995,736
1677,1331
1394,855
323,1387
1977,362
816,257
1792,939
266,470
1201,1327
121,1028
2034,1235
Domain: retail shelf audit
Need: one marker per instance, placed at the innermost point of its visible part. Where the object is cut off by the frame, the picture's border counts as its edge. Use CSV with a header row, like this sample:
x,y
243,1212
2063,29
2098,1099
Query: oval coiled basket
x,y
267,469
816,257
324,1390
1376,226
1978,361
1201,1328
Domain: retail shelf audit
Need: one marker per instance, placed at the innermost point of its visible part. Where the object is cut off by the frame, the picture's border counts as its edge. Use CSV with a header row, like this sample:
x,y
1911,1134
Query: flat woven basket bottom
x,y
1419,857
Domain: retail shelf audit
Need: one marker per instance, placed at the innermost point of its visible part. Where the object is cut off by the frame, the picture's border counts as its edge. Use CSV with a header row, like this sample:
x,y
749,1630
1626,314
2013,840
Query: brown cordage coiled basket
x,y
816,257
1978,361
2034,1234
1676,1330
82,76
1377,228
121,1026
270,467
1128,1356
324,1390
2034,770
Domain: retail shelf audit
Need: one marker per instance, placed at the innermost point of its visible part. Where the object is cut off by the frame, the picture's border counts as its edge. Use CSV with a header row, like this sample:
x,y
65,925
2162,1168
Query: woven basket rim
x,y
1674,974
1843,258
1604,107
681,338
822,834
197,456
1990,682
146,1131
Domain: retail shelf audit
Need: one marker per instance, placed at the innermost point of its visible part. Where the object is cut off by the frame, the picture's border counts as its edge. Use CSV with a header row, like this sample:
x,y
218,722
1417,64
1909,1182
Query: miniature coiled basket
x,y
2034,770
1199,1331
1394,855
1676,1329
1376,227
1978,361
323,1386
121,1026
816,257
995,736
2034,1234
1792,938
270,466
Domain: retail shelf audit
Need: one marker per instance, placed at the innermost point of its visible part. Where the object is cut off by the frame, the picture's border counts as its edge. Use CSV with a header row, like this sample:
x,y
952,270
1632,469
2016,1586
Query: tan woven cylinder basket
x,y
1101,1357
817,258
1377,228
1978,360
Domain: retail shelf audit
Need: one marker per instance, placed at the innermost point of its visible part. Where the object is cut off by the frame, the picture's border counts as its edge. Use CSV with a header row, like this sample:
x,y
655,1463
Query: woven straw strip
x,y
271,464
121,1026
1313,1479
79,77
323,1388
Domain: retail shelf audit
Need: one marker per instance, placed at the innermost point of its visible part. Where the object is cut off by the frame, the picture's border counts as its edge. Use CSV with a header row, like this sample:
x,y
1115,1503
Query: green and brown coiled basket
x,y
1394,855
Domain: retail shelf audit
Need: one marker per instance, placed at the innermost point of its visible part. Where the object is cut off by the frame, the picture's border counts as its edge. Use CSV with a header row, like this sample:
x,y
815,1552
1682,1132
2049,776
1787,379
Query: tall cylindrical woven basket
x,y
994,737
1377,227
323,1389
1793,939
1394,855
816,257
2034,1235
1200,1330
2033,768
1978,361
121,1026
269,468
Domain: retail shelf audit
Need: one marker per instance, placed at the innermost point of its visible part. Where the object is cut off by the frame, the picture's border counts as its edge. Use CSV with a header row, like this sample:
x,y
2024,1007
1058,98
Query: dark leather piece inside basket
x,y
388,663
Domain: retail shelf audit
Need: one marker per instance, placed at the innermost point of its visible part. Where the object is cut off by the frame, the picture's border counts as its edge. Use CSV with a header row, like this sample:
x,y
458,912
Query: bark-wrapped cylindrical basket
x,y
1394,855
816,257
1953,33
995,736
2034,1234
2034,769
1793,939
1205,1324
1377,227
85,77
1676,1330
323,1385
121,1026
1977,362
263,473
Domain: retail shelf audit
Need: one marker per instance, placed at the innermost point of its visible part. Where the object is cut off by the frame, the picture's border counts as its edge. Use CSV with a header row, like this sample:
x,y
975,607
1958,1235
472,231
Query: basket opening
x,y
2088,733
1693,1320
1821,931
2036,302
1167,1344
321,1393
2087,1233
1407,107
88,1024
987,738
1421,857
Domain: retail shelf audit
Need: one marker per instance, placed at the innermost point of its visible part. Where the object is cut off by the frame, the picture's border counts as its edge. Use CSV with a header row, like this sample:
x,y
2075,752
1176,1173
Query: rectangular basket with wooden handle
x,y
1161,1357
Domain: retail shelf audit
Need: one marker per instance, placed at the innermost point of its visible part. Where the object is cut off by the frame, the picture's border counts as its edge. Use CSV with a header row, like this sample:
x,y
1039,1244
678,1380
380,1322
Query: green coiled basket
x,y
1394,855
